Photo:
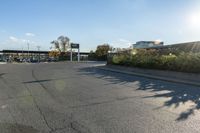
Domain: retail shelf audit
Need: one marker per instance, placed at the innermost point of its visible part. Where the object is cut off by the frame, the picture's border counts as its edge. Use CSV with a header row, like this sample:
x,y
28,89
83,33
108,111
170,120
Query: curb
x,y
150,76
2,63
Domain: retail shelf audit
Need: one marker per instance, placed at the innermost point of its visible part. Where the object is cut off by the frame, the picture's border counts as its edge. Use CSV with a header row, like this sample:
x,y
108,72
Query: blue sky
x,y
94,22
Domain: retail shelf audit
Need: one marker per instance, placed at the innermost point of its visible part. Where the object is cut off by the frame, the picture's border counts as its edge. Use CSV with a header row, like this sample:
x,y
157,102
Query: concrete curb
x,y
150,76
1,63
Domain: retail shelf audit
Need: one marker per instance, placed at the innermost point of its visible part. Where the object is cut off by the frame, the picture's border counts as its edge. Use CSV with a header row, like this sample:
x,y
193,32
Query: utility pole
x,y
38,47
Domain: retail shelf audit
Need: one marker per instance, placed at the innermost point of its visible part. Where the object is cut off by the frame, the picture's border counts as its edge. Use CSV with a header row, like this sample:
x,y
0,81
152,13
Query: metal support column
x,y
78,54
71,55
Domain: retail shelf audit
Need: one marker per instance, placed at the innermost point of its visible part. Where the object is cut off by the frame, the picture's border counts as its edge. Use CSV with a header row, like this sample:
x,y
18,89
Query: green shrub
x,y
116,59
154,59
167,61
121,59
188,62
145,58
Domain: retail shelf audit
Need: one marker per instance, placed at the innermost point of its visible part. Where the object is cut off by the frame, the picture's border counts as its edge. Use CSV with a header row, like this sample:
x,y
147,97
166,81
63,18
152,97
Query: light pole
x,y
108,57
38,47
22,54
78,54
28,50
71,58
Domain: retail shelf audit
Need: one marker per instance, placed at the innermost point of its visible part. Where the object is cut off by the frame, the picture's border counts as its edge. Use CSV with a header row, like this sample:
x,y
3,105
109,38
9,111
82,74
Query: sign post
x,y
75,46
71,55
78,54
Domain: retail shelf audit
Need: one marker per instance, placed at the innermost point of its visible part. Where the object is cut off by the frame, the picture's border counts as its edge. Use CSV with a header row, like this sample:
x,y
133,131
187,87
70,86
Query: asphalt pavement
x,y
76,97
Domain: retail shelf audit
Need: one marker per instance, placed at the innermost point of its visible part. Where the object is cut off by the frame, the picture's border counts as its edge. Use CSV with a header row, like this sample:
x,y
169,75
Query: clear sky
x,y
93,22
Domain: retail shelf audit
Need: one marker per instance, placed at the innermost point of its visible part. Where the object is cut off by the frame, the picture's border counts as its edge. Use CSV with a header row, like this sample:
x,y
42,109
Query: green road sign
x,y
74,45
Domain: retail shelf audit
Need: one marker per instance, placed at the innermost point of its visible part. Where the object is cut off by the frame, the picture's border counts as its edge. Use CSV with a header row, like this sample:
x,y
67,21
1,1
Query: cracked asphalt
x,y
76,97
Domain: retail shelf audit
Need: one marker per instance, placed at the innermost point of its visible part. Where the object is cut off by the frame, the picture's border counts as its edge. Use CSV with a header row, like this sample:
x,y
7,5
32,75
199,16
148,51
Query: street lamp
x,y
28,50
108,57
38,47
22,56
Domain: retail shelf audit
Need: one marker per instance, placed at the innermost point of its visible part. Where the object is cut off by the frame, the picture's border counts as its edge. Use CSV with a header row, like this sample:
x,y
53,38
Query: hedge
x,y
154,59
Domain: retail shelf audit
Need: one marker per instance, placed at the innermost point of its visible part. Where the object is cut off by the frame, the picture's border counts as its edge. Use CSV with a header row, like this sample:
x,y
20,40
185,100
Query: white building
x,y
147,44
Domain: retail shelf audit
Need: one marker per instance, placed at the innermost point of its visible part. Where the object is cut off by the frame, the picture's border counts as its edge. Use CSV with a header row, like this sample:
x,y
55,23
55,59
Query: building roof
x,y
159,42
185,47
24,51
33,52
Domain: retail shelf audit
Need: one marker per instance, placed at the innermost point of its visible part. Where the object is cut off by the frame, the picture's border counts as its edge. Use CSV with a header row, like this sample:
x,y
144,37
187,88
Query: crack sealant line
x,y
38,108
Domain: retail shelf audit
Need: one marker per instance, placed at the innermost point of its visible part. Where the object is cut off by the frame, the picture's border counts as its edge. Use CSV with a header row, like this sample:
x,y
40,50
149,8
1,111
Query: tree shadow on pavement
x,y
177,94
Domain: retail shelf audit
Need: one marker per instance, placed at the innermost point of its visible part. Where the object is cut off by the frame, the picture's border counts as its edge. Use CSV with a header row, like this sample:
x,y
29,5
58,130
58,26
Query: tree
x,y
54,54
56,45
102,51
64,43
61,45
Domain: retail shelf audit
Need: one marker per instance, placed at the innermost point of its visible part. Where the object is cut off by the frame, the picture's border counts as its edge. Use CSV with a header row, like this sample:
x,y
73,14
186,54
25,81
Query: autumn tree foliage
x,y
102,51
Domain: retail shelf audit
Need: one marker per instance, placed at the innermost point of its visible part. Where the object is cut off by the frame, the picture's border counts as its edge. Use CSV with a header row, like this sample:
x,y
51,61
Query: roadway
x,y
79,98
